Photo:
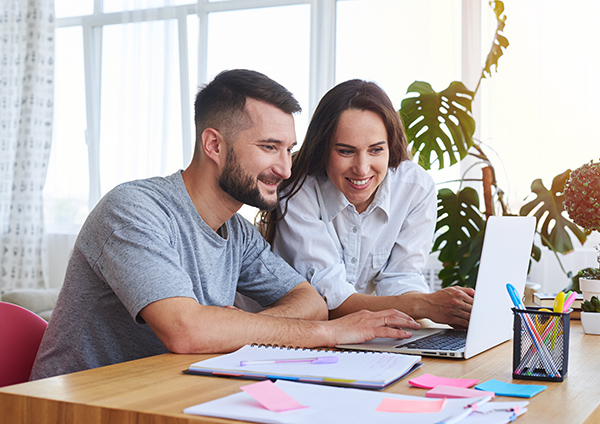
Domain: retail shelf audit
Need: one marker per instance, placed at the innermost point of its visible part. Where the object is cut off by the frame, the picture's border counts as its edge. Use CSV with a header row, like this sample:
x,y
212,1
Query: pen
x,y
317,360
530,357
472,407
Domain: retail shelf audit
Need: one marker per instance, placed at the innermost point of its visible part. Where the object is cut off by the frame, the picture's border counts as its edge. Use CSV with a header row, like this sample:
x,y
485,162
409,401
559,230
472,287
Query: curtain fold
x,y
26,109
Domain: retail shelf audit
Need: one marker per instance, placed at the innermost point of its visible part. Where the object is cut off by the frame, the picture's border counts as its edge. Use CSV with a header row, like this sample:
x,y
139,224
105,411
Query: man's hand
x,y
451,306
365,325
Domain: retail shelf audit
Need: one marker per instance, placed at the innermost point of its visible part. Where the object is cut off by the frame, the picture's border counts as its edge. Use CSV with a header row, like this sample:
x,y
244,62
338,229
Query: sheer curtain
x,y
126,76
26,105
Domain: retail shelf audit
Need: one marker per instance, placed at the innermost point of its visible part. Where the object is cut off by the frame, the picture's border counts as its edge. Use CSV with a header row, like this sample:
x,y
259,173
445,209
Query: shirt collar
x,y
335,201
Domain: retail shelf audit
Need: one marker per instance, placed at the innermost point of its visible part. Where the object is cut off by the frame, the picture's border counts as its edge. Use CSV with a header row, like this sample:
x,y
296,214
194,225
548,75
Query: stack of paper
x,y
325,404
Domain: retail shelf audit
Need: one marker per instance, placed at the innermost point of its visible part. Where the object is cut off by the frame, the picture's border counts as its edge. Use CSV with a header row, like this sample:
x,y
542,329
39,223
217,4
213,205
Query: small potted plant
x,y
582,203
590,315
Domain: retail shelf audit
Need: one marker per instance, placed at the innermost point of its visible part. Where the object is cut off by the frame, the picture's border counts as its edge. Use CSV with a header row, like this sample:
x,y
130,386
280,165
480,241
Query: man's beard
x,y
241,186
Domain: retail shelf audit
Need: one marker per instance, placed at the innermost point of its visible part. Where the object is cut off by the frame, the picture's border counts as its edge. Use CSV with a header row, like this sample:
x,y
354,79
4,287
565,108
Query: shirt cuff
x,y
401,283
332,285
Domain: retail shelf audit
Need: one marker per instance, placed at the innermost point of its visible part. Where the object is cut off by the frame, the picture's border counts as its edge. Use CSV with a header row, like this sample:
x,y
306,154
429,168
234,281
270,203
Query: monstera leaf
x,y
438,124
459,228
547,208
500,43
459,219
463,271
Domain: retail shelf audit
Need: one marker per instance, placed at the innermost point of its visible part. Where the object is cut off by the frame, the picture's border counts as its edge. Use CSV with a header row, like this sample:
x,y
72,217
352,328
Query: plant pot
x,y
590,322
589,288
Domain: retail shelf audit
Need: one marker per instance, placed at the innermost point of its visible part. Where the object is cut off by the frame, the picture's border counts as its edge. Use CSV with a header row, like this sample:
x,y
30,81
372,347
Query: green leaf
x,y
463,271
438,124
459,236
548,210
459,220
536,253
500,43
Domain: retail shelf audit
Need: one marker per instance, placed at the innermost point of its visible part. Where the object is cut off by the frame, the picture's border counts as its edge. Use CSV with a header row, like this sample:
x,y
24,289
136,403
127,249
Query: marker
x,y
469,409
317,360
570,299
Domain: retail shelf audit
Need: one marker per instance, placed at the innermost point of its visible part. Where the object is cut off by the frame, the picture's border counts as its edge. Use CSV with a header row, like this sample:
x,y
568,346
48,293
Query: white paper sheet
x,y
337,404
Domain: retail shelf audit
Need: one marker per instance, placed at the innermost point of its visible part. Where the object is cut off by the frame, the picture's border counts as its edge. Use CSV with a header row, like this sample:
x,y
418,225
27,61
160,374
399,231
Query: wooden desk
x,y
154,391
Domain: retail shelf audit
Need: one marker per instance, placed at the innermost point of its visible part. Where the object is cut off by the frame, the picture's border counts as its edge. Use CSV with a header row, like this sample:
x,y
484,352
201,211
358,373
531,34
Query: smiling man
x,y
157,263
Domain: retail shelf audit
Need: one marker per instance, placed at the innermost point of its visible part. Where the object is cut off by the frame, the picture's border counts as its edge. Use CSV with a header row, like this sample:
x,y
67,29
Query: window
x,y
67,183
127,74
539,109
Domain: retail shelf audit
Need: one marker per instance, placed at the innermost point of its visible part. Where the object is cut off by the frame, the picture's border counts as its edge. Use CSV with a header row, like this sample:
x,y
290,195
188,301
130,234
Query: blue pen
x,y
514,295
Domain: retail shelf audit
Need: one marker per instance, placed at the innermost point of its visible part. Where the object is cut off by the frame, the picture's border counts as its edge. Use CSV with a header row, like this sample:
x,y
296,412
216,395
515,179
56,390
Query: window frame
x,y
321,69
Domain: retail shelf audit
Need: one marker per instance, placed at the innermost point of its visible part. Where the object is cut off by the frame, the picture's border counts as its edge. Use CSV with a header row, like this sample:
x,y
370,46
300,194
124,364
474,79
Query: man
x,y
157,263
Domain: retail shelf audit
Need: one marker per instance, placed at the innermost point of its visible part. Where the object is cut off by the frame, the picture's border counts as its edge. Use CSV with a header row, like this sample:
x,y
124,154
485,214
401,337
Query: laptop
x,y
504,259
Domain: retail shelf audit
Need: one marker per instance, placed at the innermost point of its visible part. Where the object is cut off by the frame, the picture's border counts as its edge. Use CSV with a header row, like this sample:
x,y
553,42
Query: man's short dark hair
x,y
221,103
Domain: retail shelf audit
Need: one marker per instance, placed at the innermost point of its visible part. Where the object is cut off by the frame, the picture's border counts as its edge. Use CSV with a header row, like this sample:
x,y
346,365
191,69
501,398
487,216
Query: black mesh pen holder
x,y
540,345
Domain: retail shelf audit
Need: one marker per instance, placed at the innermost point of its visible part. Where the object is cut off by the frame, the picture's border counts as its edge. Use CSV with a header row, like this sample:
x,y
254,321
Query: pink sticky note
x,y
456,392
428,381
271,397
410,406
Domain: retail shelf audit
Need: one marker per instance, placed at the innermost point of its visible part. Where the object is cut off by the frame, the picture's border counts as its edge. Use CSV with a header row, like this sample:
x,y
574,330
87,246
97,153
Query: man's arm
x,y
451,305
303,301
184,326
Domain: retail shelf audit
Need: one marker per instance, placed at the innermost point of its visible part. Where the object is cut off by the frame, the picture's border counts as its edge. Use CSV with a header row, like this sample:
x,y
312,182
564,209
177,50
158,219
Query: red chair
x,y
21,332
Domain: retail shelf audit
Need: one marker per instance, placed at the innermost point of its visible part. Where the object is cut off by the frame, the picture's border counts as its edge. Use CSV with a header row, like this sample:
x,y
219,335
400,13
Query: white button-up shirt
x,y
381,251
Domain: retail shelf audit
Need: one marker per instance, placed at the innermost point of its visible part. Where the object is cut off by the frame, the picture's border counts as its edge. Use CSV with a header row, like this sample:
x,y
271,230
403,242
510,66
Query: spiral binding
x,y
310,349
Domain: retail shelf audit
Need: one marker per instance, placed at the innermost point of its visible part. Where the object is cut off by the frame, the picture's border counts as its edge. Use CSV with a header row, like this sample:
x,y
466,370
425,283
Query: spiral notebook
x,y
367,370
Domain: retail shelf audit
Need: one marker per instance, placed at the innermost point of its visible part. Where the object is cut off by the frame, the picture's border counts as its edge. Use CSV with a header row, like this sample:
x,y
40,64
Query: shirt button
x,y
353,260
354,229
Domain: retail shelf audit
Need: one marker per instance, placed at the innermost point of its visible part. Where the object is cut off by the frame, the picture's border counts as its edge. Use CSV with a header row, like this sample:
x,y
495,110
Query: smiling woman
x,y
359,156
356,218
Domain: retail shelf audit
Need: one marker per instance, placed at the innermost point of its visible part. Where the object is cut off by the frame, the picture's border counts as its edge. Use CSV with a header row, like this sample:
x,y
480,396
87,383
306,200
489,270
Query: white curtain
x,y
26,107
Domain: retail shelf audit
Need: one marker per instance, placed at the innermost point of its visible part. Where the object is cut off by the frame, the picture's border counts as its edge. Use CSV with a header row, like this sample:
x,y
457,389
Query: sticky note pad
x,y
429,381
507,389
271,397
456,392
410,405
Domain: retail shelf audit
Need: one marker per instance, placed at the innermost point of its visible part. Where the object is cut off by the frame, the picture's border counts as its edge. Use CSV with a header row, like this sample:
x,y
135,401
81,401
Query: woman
x,y
357,217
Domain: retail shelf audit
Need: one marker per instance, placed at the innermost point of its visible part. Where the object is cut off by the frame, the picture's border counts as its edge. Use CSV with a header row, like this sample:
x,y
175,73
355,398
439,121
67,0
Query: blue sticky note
x,y
507,389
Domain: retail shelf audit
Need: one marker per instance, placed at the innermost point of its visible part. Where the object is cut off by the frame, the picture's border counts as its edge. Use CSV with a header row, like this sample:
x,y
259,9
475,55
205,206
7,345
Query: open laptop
x,y
504,259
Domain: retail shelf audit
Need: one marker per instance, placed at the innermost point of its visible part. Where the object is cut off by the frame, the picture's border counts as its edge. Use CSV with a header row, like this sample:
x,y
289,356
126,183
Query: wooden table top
x,y
154,390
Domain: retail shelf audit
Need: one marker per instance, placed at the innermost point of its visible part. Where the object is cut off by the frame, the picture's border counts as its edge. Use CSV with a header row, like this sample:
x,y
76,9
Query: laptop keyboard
x,y
445,340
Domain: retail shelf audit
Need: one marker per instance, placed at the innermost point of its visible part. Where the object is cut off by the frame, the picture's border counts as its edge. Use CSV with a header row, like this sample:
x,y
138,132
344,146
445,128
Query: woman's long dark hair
x,y
313,155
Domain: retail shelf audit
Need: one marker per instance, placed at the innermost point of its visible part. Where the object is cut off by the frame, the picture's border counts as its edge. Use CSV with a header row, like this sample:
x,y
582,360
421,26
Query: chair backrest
x,y
21,332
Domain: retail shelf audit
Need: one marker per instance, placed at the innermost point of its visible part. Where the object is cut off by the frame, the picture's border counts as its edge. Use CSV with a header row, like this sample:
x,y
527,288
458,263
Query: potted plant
x,y
582,203
440,128
590,315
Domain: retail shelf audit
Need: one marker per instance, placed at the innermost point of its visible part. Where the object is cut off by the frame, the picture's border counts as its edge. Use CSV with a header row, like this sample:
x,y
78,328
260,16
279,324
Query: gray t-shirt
x,y
144,242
